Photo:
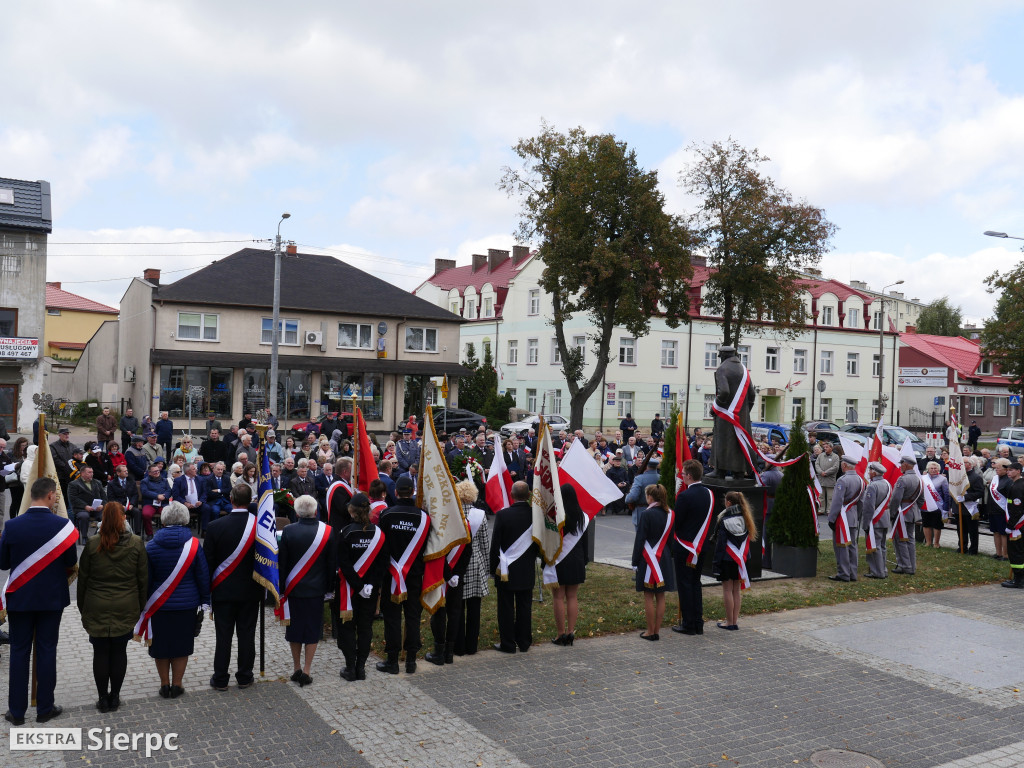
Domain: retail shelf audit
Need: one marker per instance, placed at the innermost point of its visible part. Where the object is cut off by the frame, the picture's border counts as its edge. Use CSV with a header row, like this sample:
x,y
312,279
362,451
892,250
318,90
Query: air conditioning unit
x,y
129,373
315,337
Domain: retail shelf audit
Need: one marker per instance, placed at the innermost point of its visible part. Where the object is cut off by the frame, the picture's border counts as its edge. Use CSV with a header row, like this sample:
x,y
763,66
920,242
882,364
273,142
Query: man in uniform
x,y
62,451
827,467
843,520
905,514
874,518
693,523
407,452
512,557
405,527
1015,509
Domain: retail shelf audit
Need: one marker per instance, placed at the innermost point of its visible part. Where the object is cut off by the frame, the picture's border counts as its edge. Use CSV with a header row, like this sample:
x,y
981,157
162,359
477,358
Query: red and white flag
x,y
548,510
593,488
682,454
498,489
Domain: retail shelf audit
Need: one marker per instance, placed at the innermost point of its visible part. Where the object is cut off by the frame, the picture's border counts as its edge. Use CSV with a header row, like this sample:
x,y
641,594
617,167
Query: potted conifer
x,y
793,527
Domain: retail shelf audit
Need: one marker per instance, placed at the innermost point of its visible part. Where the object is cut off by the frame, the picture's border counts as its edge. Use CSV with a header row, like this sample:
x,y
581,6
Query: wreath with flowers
x,y
468,466
284,497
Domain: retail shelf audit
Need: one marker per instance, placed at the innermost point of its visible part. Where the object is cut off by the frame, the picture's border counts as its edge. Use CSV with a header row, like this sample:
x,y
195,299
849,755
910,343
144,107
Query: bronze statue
x,y
727,458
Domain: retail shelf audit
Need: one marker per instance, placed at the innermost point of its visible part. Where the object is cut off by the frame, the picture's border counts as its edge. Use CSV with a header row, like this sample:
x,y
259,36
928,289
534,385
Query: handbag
x,y
199,623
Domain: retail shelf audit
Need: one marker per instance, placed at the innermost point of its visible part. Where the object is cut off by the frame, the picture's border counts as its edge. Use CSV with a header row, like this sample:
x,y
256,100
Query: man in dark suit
x,y
214,449
34,605
384,473
236,596
512,557
693,527
303,483
218,496
83,494
190,490
125,492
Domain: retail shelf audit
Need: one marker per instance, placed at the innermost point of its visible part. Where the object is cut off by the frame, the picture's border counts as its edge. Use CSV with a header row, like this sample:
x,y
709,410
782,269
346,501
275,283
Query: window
x,y
708,400
53,312
471,309
799,361
975,406
826,363
8,322
668,354
195,326
455,307
531,400
710,355
487,349
513,352
853,364
853,318
511,392
825,413
743,350
580,343
627,351
851,411
556,354
556,401
798,406
876,320
488,307
421,339
999,406
876,366
531,352
355,336
874,410
826,316
533,302
771,359
625,404
764,410
339,388
288,331
293,392
985,369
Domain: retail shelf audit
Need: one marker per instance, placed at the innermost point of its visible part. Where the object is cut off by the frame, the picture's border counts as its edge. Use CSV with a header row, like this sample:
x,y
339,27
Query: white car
x,y
555,421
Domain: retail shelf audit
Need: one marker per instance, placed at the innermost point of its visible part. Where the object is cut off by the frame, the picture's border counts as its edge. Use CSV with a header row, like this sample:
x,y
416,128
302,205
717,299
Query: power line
x,y
118,279
169,242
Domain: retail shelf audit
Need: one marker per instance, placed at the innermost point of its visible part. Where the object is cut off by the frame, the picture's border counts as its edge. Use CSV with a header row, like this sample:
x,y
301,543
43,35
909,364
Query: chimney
x,y
54,285
479,262
911,329
699,261
495,258
440,265
859,285
520,253
151,276
291,249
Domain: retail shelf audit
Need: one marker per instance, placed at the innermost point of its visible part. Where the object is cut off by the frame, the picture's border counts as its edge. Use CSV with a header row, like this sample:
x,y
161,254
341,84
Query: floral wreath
x,y
468,466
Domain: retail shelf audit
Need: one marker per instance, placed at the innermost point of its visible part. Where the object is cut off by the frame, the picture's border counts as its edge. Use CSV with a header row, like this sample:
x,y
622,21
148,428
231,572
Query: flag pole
x,y
261,431
355,445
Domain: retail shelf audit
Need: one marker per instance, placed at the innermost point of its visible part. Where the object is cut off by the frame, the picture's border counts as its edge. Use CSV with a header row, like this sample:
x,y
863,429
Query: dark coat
x,y
123,496
300,487
163,552
222,536
727,456
509,525
337,507
396,522
218,491
179,491
296,540
691,511
213,451
81,495
352,544
164,429
112,585
137,463
48,589
151,488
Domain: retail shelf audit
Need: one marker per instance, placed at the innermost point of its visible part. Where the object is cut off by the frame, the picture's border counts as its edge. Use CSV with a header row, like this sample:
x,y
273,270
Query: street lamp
x,y
275,337
1003,235
881,350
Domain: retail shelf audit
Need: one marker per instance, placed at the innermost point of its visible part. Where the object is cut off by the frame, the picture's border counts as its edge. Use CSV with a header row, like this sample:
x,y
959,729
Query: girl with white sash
x,y
734,532
652,558
996,492
570,569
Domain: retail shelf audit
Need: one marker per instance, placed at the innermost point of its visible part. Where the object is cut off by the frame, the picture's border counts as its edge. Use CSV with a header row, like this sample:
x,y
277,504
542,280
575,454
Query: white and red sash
x,y
899,526
653,577
64,539
519,547
932,500
814,494
400,568
361,566
300,569
144,626
870,540
225,569
739,555
694,547
339,483
842,533
569,540
378,507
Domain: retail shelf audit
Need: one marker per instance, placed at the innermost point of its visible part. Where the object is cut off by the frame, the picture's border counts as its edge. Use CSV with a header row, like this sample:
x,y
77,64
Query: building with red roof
x,y
71,320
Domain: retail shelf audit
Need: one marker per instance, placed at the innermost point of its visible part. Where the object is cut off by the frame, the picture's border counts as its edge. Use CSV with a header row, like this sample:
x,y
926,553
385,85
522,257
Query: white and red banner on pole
x,y
498,489
548,510
593,488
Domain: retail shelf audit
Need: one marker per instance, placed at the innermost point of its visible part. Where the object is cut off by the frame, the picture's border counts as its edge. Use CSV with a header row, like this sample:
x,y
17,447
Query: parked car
x,y
452,419
767,431
823,430
300,430
555,421
1013,437
891,435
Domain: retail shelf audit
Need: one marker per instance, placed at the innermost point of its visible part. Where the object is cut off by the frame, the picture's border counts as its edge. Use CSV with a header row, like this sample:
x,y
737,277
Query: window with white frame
x,y
710,355
708,401
197,326
511,392
532,351
556,353
771,359
975,406
556,401
853,363
825,409
876,320
625,404
288,331
627,351
455,307
764,410
826,362
580,343
853,318
999,405
985,368
668,353
488,307
797,406
533,302
874,410
826,316
531,400
743,350
419,339
799,361
851,410
876,365
487,350
471,309
355,336
513,352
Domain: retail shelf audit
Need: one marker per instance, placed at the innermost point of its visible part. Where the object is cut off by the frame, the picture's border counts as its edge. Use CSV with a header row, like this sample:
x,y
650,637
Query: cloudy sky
x,y
383,128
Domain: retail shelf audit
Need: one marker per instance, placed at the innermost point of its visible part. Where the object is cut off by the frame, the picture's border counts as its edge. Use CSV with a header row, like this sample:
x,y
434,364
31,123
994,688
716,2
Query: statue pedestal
x,y
756,498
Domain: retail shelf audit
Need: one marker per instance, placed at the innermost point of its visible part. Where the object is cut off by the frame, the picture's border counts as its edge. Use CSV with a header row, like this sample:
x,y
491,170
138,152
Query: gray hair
x,y
305,506
930,464
174,513
237,465
303,462
174,469
220,464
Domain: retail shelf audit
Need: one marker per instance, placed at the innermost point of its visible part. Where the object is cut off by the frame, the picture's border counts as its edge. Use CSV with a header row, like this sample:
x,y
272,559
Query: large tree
x,y
940,318
1003,331
610,250
755,236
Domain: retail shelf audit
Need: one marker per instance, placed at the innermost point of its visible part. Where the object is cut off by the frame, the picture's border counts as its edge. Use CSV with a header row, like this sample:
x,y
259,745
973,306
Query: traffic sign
x,y
1014,399
665,391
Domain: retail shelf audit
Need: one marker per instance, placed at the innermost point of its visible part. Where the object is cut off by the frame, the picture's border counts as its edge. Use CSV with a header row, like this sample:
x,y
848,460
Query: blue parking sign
x,y
665,391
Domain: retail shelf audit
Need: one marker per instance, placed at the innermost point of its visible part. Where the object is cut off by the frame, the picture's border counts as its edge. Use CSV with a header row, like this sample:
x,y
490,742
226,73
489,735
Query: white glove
x,y
207,609
634,569
366,591
329,596
960,499
453,582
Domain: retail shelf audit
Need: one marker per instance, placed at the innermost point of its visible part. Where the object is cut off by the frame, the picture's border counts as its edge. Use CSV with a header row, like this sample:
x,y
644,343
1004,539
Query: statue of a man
x,y
727,457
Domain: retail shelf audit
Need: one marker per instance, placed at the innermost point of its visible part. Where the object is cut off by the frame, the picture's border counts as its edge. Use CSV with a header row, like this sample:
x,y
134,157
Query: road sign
x,y
821,386
1014,399
665,391
444,387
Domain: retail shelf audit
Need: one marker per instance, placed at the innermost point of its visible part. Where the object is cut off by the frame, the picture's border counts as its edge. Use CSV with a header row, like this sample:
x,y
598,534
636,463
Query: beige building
x,y
71,320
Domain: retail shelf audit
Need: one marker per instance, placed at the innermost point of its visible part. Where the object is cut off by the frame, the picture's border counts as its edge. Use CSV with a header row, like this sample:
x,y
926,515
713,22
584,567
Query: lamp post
x,y
1003,235
276,333
881,348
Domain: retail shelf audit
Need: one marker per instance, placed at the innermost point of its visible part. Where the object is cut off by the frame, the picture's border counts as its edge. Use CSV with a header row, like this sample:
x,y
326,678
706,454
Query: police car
x,y
1012,437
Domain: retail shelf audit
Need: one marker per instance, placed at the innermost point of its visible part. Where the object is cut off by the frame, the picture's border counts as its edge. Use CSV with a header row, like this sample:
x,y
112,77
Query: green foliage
x,y
755,237
940,318
791,523
1003,331
479,392
668,463
610,249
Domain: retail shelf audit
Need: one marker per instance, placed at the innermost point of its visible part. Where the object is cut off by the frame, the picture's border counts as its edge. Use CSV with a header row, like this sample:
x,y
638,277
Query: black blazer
x,y
509,525
296,540
691,509
123,496
222,536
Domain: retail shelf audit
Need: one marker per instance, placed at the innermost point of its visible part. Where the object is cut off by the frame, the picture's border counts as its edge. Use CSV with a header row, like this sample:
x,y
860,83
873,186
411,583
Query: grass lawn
x,y
609,602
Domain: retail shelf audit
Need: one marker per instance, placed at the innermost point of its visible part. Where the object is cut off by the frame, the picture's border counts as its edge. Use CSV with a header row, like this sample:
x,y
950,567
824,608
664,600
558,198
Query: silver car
x,y
555,421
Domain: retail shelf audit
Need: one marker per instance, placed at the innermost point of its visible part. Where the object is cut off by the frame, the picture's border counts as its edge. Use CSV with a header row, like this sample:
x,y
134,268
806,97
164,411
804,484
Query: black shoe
x,y
177,690
296,676
687,631
435,657
114,703
570,638
348,673
57,711
653,637
449,653
165,691
699,629
5,639
837,578
103,704
213,684
360,672
560,640
503,649
1013,584
390,667
524,650
305,680
410,667
12,719
872,576
680,629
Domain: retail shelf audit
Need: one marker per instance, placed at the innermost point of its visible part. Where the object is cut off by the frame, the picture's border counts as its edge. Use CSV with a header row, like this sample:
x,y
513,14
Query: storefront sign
x,y
914,372
980,389
19,348
922,381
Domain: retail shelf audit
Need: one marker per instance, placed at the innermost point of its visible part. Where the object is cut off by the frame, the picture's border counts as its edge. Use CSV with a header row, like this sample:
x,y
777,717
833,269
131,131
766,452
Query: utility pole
x,y
275,337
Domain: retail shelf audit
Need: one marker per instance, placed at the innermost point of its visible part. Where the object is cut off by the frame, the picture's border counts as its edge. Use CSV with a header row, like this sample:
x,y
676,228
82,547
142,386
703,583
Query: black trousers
x,y
355,634
515,617
235,618
44,626
691,597
467,635
109,663
393,612
446,621
1015,554
967,528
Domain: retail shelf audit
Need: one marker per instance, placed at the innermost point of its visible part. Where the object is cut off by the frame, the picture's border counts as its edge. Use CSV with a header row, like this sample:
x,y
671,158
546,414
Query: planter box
x,y
799,562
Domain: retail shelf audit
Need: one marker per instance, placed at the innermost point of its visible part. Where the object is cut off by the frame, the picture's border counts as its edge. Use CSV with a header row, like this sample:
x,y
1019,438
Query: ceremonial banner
x,y
498,489
593,488
548,512
956,471
435,494
265,565
43,467
682,454
365,470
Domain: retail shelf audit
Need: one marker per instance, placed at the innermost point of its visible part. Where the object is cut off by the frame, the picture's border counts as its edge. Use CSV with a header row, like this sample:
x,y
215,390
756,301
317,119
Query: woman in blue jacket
x,y
154,492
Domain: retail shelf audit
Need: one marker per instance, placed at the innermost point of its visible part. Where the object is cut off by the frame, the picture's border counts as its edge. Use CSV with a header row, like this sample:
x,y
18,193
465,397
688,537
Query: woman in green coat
x,y
112,580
